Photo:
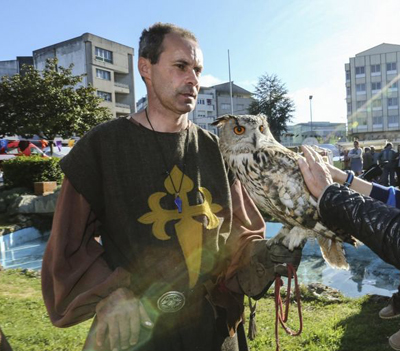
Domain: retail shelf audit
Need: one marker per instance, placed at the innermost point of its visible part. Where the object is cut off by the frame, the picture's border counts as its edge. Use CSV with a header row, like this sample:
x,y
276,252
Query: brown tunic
x,y
78,272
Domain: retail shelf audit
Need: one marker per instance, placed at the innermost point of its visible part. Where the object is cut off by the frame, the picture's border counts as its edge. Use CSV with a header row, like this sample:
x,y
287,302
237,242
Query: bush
x,y
23,171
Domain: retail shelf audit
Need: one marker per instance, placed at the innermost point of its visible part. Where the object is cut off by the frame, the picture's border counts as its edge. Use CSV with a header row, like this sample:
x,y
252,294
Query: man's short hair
x,y
150,42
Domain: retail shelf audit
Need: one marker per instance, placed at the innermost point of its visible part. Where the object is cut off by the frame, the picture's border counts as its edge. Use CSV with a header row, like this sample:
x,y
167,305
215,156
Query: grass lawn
x,y
24,319
342,325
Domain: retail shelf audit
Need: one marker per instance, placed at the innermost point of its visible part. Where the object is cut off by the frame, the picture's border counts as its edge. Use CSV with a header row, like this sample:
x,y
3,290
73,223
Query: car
x,y
23,148
57,152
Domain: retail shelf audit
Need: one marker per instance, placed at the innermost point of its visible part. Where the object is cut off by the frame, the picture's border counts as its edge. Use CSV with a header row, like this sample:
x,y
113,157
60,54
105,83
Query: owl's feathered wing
x,y
273,180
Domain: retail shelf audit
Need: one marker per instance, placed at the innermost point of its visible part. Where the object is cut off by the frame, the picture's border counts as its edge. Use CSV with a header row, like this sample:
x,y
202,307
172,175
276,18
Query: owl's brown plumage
x,y
271,175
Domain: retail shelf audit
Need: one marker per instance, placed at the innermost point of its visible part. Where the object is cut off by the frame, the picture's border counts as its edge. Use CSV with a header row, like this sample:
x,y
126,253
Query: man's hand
x,y
315,171
120,314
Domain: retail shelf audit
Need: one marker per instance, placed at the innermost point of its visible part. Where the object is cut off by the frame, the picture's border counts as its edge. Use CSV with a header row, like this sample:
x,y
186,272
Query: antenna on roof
x,y
230,82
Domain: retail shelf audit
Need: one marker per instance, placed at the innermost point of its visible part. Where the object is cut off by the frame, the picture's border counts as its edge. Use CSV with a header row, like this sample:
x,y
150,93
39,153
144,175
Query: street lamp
x,y
310,97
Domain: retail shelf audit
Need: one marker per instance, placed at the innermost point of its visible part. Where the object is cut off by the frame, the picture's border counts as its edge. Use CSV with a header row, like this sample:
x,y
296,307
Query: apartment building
x,y
108,67
372,93
11,67
215,101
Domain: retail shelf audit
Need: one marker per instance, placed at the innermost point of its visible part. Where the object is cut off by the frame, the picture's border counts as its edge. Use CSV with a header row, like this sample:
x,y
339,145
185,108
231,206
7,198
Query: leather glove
x,y
267,260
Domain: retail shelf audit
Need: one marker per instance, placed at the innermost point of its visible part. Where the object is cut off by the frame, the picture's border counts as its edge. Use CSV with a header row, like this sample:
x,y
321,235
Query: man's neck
x,y
165,123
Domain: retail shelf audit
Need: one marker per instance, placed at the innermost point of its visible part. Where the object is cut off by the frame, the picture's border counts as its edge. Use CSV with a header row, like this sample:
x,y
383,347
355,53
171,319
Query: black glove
x,y
267,260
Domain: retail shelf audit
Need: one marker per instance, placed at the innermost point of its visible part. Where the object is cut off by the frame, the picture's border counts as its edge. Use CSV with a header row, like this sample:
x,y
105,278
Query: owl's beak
x,y
255,141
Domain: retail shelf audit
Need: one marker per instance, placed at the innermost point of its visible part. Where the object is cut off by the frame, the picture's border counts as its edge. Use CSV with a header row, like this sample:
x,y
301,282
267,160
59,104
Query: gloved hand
x,y
267,259
280,255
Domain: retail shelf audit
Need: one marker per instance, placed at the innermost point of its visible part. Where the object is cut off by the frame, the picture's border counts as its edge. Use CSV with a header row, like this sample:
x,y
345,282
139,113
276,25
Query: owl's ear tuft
x,y
220,121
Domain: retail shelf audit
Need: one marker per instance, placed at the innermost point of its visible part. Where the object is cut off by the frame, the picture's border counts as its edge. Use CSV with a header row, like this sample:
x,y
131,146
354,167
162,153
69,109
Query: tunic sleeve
x,y
247,226
75,277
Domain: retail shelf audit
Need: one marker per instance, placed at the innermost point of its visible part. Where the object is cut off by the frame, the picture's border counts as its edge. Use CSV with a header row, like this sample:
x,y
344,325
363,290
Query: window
x,y
201,114
376,86
347,75
200,101
104,95
348,91
393,87
240,108
391,67
377,104
392,103
209,102
360,88
349,107
377,121
226,106
375,70
361,105
362,122
202,125
104,55
393,121
360,71
102,74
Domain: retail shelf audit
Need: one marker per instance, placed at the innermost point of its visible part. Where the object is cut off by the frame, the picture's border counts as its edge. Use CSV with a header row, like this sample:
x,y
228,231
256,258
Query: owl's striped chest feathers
x,y
276,186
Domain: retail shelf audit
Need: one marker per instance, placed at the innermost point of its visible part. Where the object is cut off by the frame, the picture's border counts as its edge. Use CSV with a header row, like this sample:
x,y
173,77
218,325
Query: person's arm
x,y
249,249
359,185
372,222
374,190
76,281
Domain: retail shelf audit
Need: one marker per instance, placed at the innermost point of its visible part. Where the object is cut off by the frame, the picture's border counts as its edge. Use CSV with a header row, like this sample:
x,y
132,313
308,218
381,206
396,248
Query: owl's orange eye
x,y
261,128
239,130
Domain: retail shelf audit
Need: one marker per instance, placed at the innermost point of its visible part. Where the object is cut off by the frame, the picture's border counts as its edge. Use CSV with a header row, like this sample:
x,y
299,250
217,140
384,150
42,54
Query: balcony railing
x,y
117,104
121,85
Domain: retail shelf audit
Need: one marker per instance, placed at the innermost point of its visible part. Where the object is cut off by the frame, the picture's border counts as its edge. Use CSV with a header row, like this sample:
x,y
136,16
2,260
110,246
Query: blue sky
x,y
304,42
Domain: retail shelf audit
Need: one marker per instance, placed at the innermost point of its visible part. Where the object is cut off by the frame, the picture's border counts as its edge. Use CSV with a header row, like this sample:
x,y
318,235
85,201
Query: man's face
x,y
356,145
174,79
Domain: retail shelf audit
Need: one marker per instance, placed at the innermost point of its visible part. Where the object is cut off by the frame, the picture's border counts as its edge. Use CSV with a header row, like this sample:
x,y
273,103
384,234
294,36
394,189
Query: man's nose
x,y
193,77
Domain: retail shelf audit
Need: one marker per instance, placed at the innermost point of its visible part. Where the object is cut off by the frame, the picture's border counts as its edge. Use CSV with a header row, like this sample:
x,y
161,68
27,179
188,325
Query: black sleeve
x,y
372,222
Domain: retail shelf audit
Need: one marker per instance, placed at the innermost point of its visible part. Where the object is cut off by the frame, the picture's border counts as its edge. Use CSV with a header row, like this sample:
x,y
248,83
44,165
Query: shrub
x,y
23,171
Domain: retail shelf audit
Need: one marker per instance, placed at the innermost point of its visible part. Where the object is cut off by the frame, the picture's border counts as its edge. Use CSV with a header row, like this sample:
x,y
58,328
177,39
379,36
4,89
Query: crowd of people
x,y
383,167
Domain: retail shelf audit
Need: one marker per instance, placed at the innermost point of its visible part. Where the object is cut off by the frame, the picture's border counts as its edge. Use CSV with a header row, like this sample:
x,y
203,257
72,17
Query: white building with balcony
x,y
108,67
216,101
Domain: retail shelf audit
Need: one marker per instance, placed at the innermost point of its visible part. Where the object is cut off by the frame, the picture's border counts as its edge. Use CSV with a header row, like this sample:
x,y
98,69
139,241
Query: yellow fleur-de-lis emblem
x,y
188,230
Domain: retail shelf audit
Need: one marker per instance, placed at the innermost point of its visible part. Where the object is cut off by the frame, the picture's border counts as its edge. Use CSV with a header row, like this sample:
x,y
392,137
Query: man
x,y
374,155
387,160
177,237
367,159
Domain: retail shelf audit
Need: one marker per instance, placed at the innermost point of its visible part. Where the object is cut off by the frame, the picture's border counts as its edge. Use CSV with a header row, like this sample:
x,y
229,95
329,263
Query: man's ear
x,y
144,66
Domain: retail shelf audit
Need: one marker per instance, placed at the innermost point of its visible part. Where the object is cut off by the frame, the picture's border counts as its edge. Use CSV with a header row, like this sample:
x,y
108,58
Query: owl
x,y
271,176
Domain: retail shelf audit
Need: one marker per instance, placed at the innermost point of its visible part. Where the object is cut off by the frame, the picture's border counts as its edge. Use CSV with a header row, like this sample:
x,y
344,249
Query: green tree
x,y
271,99
49,103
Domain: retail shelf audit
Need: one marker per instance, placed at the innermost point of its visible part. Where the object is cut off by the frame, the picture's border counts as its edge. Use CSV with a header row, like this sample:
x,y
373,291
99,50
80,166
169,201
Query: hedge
x,y
23,171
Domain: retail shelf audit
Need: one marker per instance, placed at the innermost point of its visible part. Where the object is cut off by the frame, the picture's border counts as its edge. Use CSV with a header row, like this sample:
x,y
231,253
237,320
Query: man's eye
x,y
180,66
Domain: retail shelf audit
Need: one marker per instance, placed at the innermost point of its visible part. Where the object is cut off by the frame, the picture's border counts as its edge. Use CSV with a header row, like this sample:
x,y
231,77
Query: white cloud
x,y
209,80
